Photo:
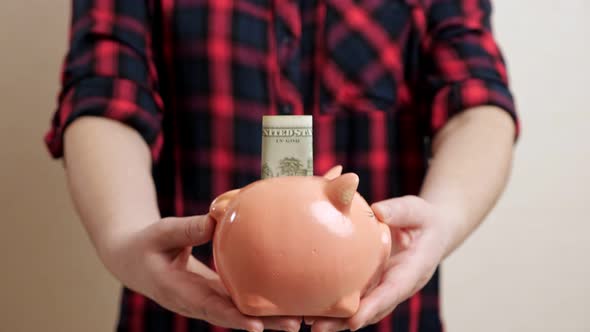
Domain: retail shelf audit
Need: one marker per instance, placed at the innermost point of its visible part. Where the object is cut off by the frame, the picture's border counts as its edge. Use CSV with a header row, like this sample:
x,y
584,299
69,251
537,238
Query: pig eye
x,y
371,214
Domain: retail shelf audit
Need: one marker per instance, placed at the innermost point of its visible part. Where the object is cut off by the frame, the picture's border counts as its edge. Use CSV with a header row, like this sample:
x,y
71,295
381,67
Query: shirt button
x,y
286,109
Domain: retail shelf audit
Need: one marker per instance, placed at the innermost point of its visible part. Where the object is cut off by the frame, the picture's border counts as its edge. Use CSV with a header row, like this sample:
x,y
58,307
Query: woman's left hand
x,y
420,238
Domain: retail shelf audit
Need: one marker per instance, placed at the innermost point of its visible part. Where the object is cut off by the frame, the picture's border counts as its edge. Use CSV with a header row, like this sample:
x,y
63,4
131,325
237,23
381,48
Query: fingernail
x,y
405,239
329,328
383,210
289,328
257,329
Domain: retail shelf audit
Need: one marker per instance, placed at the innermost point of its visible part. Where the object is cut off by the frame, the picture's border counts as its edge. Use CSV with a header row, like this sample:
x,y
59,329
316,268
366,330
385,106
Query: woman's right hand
x,y
157,262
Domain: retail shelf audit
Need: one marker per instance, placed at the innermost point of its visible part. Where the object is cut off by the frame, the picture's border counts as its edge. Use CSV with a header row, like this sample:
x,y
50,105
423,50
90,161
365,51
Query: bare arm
x,y
470,168
465,88
109,127
109,173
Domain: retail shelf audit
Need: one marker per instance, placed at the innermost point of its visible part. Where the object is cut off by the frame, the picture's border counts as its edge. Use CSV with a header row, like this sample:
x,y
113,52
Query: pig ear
x,y
219,205
341,190
333,173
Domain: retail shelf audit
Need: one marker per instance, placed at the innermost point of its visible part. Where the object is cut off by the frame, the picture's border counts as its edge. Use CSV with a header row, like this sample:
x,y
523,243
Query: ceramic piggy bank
x,y
298,246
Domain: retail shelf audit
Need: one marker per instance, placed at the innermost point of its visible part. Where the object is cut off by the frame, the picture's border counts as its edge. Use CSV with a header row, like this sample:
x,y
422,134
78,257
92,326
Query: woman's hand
x,y
109,170
420,241
157,262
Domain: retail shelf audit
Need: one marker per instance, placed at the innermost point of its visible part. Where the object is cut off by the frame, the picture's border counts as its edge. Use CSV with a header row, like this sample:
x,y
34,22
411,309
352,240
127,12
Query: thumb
x,y
173,233
402,212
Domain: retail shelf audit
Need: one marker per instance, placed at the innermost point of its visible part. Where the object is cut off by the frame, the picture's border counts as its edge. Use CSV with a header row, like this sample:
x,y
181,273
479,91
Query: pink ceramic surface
x,y
299,246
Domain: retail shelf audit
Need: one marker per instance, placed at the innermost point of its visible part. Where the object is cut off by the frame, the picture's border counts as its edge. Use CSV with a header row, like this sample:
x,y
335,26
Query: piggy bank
x,y
298,245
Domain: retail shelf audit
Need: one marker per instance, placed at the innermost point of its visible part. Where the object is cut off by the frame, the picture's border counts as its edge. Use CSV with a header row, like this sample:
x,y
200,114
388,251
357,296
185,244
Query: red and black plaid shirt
x,y
194,78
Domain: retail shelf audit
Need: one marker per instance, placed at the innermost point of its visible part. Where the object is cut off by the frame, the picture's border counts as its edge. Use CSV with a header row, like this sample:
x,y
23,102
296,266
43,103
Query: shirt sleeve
x,y
465,67
109,72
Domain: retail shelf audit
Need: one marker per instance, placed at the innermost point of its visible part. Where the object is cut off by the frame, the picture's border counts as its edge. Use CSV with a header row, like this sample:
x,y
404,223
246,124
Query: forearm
x,y
472,157
108,168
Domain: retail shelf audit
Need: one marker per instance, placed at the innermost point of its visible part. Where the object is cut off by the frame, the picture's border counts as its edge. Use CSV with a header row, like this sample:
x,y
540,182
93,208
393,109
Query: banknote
x,y
287,145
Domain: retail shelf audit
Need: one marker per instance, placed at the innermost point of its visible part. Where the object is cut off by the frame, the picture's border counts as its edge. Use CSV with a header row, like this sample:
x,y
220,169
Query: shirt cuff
x,y
117,99
458,97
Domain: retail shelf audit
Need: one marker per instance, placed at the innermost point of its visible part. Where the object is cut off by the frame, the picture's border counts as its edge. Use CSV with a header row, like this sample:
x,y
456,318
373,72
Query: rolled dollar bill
x,y
287,145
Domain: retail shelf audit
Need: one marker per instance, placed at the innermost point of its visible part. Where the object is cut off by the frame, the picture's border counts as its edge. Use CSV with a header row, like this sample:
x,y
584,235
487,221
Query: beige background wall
x,y
525,270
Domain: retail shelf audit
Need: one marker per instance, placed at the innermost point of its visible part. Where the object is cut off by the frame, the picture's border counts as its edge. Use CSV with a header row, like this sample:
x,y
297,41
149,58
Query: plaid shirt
x,y
194,78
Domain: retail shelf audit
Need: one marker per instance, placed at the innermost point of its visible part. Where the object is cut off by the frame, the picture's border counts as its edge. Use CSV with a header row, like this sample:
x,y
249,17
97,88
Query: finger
x,y
396,286
402,212
380,316
373,304
201,302
222,312
187,262
329,325
212,278
309,320
195,266
401,239
282,323
172,233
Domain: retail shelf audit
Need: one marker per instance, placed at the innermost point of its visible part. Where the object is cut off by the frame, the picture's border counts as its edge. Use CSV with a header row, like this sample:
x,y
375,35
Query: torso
x,y
224,64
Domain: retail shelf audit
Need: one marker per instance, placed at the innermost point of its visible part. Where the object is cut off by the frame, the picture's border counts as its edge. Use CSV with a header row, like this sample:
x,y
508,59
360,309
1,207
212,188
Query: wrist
x,y
451,219
112,240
